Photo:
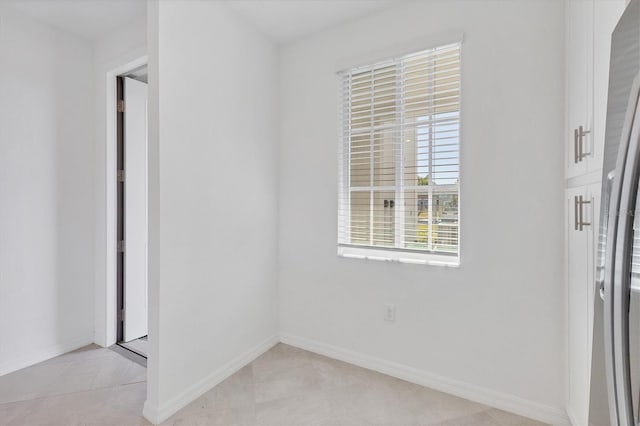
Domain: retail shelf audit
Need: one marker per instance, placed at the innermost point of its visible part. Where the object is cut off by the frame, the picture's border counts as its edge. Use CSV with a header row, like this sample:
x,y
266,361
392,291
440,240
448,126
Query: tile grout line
x,y
71,393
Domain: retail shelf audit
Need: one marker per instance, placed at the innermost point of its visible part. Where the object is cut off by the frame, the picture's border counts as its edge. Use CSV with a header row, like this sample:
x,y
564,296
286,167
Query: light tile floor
x,y
285,386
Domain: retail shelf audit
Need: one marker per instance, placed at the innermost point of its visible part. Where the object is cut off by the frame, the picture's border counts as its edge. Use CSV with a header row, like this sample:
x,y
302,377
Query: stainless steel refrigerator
x,y
615,365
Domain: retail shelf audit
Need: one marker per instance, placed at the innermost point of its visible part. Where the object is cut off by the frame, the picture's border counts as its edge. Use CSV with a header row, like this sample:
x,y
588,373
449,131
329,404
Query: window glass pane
x,y
384,218
360,158
384,165
360,217
445,213
384,96
361,105
416,224
423,135
446,134
417,89
447,82
431,220
410,158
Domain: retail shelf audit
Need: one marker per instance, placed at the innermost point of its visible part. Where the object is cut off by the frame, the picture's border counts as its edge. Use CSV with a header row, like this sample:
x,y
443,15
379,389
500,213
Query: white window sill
x,y
398,256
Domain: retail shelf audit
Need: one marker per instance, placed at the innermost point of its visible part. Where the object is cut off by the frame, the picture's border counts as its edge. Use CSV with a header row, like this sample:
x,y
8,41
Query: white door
x,y
135,208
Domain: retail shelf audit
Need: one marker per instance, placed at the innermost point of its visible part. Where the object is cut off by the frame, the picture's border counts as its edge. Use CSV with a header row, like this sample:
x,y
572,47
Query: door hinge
x,y
121,246
120,175
121,105
121,315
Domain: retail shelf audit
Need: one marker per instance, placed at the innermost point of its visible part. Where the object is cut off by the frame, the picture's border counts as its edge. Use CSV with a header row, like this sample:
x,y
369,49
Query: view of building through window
x,y
400,153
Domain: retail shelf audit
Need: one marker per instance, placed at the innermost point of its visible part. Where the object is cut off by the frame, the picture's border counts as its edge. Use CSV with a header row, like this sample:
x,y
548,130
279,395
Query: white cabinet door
x,y
580,208
606,16
579,86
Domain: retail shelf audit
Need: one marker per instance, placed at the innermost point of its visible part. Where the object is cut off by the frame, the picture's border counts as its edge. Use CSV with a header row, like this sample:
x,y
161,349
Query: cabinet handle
x,y
576,157
576,217
578,214
581,132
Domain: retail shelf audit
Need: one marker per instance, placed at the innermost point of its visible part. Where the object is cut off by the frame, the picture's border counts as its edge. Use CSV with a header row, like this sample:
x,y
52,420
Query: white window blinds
x,y
399,155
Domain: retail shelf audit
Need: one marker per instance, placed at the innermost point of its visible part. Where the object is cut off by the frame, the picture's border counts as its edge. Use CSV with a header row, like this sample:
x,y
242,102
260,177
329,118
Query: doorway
x,y
132,211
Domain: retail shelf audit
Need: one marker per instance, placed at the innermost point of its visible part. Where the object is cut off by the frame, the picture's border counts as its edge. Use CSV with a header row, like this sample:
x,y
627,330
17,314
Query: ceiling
x,y
89,19
282,21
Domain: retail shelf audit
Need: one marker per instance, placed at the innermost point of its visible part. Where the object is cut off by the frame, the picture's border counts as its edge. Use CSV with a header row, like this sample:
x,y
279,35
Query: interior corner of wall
x,y
100,339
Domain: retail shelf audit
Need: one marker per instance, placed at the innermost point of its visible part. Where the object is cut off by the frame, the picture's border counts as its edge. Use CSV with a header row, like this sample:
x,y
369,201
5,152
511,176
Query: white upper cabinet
x,y
579,77
588,28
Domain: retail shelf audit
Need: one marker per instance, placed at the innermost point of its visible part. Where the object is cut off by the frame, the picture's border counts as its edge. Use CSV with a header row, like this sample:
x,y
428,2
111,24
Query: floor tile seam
x,y
105,387
55,395
62,365
49,362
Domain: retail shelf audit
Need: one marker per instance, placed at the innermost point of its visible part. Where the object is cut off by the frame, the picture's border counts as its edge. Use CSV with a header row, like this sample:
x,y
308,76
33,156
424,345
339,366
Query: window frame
x,y
386,253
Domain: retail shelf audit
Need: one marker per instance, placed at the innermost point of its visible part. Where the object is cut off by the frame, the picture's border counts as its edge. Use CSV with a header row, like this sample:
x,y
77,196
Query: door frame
x,y
120,209
111,240
124,206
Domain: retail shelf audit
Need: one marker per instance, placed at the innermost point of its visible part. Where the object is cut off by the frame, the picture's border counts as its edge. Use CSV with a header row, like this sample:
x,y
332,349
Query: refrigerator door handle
x,y
607,285
602,241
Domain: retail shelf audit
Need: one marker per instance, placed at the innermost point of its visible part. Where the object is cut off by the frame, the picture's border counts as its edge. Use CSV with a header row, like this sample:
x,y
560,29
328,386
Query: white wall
x,y
46,191
212,199
494,326
112,55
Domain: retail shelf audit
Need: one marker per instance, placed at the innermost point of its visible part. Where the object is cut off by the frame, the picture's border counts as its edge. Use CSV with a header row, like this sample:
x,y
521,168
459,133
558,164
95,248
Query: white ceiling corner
x,y
88,19
281,21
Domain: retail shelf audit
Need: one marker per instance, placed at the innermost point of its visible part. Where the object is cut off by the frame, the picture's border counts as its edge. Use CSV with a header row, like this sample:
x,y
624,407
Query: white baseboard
x,y
502,401
157,415
44,354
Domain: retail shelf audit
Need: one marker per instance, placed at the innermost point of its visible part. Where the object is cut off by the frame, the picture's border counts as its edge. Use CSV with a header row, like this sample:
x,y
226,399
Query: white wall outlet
x,y
390,312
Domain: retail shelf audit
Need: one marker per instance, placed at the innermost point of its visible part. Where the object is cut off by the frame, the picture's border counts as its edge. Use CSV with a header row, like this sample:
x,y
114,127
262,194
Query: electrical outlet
x,y
390,312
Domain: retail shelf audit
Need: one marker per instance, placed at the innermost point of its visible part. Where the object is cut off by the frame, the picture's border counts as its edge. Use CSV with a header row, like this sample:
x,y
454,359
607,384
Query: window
x,y
399,158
